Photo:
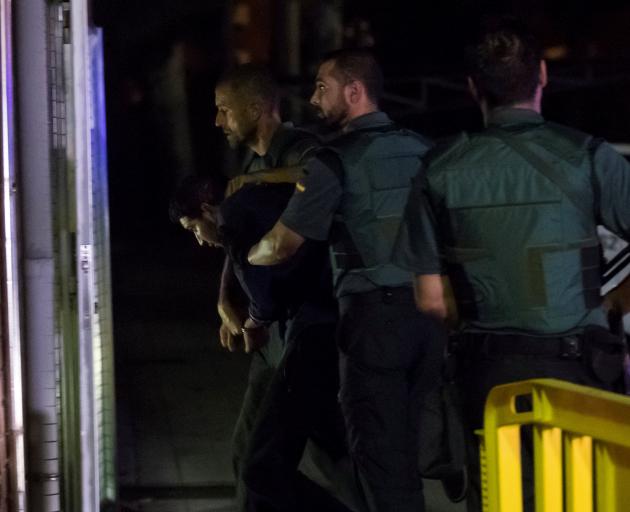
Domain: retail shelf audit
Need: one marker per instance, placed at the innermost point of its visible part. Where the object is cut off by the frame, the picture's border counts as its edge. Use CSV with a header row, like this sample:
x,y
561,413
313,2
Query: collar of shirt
x,y
371,120
510,116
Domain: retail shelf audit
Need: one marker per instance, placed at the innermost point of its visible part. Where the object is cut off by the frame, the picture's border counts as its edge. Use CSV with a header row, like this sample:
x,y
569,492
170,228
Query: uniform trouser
x,y
262,369
391,359
480,370
300,404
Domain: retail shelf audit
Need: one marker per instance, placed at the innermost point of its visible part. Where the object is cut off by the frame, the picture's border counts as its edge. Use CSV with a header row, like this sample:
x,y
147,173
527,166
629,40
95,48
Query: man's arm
x,y
277,246
612,190
231,307
308,215
279,175
434,296
429,295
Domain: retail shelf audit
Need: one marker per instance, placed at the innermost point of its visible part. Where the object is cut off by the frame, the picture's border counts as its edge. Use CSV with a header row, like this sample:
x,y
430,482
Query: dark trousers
x,y
391,359
481,369
300,404
262,369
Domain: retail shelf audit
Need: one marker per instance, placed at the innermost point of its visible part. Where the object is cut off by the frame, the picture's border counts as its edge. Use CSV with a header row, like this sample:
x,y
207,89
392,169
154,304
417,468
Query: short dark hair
x,y
253,81
191,193
504,61
358,64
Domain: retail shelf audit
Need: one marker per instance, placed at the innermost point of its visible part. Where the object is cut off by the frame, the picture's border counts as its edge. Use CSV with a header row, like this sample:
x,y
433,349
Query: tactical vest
x,y
522,247
378,165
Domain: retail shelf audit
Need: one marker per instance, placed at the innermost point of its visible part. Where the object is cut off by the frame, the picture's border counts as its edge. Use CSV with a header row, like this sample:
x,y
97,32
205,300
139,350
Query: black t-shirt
x,y
275,292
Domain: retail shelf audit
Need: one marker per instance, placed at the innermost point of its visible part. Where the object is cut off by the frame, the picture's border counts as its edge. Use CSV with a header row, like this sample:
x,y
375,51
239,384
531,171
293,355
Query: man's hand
x,y
255,336
229,341
618,299
230,316
231,325
237,183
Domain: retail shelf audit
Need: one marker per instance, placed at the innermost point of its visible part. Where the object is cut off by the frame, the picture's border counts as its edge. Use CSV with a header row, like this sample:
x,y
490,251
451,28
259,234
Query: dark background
x,y
162,58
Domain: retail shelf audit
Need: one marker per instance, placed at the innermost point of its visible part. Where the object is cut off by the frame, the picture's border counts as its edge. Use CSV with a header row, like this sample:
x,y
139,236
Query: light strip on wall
x,y
11,252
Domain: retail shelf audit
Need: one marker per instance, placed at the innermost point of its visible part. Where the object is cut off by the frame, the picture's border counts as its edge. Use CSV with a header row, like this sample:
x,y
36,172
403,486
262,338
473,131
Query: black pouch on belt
x,y
604,353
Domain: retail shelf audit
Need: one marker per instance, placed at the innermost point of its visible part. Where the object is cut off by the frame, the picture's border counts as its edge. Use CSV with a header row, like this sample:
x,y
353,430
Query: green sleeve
x,y
612,187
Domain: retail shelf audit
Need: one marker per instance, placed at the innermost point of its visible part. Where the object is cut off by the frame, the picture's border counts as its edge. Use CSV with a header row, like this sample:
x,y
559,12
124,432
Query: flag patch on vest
x,y
300,187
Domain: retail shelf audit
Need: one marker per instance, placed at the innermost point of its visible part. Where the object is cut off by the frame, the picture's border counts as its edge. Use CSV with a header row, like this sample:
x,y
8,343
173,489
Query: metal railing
x,y
581,450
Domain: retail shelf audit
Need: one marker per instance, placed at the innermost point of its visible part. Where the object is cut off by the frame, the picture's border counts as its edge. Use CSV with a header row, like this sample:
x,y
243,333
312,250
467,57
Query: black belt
x,y
564,347
382,295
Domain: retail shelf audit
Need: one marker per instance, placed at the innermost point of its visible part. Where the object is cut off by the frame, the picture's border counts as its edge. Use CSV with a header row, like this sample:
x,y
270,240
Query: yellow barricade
x,y
581,448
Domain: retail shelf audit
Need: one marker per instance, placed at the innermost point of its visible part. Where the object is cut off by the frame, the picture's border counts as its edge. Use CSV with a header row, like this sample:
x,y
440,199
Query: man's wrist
x,y
254,324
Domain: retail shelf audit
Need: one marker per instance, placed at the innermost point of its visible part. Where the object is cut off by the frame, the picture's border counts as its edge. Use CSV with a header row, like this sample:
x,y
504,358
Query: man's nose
x,y
199,239
314,99
218,120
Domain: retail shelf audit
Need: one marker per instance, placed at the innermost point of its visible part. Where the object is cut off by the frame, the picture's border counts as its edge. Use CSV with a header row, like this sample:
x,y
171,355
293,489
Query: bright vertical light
x,y
10,251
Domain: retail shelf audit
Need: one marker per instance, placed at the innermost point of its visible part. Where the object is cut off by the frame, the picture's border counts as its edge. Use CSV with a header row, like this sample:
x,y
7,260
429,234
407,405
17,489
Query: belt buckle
x,y
570,348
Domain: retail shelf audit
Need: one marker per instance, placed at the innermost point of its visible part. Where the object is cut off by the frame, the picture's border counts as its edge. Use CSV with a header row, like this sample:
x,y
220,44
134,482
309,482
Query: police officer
x,y
391,355
247,102
510,215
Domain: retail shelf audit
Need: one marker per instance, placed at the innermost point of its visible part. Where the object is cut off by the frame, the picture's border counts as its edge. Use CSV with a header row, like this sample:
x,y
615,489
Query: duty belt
x,y
384,295
564,347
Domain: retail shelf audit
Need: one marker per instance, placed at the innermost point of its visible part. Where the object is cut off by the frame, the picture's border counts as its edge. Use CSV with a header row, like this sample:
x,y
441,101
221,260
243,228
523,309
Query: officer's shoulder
x,y
572,136
355,144
330,157
568,143
299,144
447,151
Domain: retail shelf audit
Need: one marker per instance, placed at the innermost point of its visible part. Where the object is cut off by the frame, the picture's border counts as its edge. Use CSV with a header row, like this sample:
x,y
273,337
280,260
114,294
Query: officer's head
x,y
245,95
349,84
505,65
195,205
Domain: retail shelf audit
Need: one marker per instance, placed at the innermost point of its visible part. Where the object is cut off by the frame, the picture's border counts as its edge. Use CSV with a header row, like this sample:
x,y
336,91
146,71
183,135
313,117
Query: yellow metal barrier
x,y
581,448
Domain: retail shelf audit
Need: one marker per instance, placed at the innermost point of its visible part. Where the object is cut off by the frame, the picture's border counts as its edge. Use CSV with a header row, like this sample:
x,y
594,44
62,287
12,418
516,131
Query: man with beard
x,y
247,100
391,355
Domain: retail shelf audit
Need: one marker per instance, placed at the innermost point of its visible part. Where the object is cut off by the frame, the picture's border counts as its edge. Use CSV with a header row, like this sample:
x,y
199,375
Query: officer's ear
x,y
255,110
354,92
474,92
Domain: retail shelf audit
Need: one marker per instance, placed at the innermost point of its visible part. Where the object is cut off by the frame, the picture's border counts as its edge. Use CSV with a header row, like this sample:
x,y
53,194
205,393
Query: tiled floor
x,y
178,392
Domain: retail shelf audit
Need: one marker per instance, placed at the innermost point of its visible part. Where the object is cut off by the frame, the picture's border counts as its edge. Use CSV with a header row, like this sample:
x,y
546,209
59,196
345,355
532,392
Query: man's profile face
x,y
234,116
328,97
204,228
